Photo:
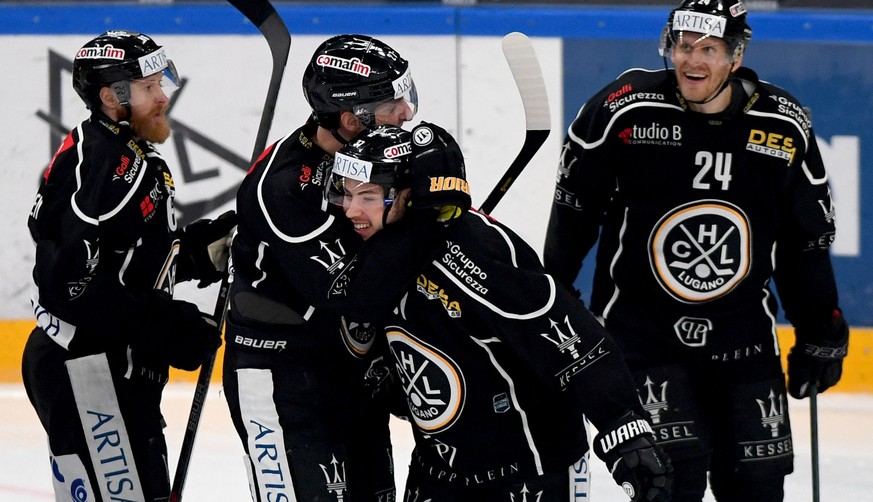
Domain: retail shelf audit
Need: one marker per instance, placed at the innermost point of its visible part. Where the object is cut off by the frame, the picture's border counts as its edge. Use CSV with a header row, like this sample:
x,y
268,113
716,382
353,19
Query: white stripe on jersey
x,y
527,434
285,237
476,296
595,144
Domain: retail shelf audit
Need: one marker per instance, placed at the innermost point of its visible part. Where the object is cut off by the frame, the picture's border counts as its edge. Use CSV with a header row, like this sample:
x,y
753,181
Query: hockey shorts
x,y
309,429
429,482
735,415
103,422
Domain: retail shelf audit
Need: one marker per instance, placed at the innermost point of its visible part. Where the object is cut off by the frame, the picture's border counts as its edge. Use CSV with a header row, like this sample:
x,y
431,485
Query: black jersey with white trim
x,y
296,250
499,362
291,245
694,211
104,228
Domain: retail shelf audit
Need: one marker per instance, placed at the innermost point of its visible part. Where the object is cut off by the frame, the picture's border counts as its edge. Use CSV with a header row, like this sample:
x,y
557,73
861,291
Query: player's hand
x,y
174,332
817,356
437,175
204,248
638,465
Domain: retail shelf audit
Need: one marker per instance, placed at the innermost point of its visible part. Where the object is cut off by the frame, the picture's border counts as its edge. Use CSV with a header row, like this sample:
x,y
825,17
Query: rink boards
x,y
463,83
857,368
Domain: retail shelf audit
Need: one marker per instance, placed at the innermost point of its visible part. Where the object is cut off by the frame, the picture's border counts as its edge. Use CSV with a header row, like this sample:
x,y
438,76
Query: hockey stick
x,y
813,408
813,436
262,14
525,67
268,21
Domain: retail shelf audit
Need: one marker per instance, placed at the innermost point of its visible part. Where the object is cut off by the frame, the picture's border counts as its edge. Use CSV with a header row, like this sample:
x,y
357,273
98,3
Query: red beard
x,y
152,126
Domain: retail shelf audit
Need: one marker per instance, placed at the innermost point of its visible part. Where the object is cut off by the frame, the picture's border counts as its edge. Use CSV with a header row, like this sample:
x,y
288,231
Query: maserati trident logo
x,y
564,342
523,495
655,404
772,412
332,261
335,482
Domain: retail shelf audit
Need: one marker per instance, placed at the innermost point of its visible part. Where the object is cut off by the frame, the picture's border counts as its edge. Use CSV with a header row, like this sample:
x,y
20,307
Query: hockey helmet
x,y
115,58
724,19
379,155
355,73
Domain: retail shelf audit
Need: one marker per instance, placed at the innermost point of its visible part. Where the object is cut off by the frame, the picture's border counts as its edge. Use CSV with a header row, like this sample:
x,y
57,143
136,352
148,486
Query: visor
x,y
405,96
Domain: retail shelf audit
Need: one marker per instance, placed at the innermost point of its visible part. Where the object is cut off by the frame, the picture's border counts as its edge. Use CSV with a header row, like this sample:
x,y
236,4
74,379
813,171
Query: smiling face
x,y
364,204
702,66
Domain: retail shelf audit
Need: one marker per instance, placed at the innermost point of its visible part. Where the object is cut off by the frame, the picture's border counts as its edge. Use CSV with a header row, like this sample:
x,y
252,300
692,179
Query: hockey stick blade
x,y
262,14
525,68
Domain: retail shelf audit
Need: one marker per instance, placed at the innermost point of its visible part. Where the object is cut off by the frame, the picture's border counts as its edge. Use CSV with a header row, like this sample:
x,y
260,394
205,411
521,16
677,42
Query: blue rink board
x,y
825,58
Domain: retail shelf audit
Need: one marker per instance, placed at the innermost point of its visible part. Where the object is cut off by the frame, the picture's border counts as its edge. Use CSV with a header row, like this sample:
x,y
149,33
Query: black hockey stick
x,y
813,408
262,14
522,60
200,391
265,17
813,436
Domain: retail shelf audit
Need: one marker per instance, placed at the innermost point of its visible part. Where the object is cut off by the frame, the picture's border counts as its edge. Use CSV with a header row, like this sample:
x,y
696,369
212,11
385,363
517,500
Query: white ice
x,y
216,469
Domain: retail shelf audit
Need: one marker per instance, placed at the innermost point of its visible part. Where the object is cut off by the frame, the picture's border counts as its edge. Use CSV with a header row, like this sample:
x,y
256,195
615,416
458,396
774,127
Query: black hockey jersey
x,y
104,227
696,214
295,257
498,362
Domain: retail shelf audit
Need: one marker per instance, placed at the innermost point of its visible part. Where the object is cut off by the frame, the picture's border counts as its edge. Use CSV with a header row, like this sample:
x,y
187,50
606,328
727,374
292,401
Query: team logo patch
x,y
358,337
422,136
433,383
692,331
701,251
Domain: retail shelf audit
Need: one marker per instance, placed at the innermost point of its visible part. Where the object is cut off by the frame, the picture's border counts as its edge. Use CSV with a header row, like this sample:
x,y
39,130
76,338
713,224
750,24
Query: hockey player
x,y
294,367
498,363
705,183
108,252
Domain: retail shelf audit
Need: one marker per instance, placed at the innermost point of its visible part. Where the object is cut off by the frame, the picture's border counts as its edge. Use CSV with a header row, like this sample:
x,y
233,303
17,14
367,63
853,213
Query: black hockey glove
x,y
638,465
204,248
817,356
175,332
437,176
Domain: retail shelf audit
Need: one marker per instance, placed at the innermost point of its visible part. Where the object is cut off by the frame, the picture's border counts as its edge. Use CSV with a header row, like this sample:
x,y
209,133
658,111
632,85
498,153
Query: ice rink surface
x,y
216,471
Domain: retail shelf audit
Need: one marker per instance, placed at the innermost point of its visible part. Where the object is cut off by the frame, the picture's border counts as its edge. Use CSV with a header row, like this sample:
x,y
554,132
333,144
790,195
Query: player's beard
x,y
152,126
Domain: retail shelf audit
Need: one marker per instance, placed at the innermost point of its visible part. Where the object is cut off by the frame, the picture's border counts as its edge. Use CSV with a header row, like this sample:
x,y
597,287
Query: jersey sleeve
x,y
583,189
314,248
386,266
550,332
804,274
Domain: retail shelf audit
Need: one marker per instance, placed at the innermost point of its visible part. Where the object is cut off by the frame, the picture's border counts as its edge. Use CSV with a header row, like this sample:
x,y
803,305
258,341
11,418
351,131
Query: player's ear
x,y
108,97
737,63
349,122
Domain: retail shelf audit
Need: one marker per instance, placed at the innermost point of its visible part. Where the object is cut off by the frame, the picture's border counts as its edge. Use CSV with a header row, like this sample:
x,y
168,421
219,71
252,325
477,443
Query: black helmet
x,y
356,73
116,57
724,19
379,155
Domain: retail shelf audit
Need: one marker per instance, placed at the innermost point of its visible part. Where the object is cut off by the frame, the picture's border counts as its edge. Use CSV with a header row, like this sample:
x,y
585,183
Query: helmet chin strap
x,y
337,136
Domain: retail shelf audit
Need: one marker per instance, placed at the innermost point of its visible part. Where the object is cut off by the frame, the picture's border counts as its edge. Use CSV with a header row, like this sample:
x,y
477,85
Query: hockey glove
x,y
175,332
204,249
438,177
642,469
817,356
